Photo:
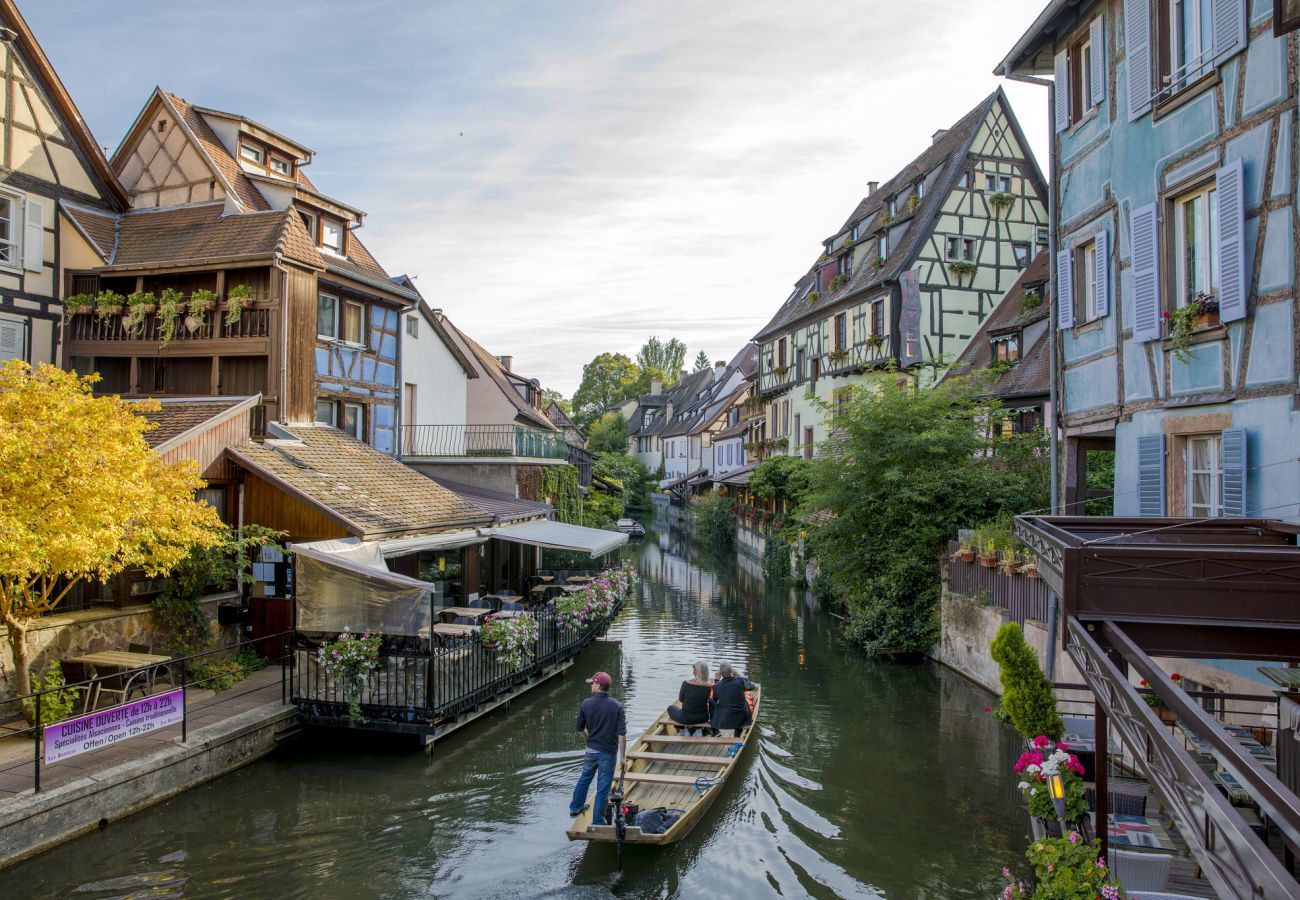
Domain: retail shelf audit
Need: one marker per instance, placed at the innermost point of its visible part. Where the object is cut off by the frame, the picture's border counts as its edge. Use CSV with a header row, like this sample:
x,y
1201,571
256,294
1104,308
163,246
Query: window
x,y
327,311
882,247
13,338
841,331
253,154
997,184
816,369
892,205
413,326
1006,349
1081,99
1196,258
1085,283
960,248
354,420
780,354
1203,475
963,180
281,166
1187,33
9,226
326,412
331,235
352,324
853,232
808,443
841,398
797,428
844,265
1021,253
920,190
878,317
308,222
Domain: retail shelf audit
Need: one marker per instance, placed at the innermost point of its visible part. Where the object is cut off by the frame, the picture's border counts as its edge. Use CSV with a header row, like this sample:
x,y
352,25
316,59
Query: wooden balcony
x,y
93,335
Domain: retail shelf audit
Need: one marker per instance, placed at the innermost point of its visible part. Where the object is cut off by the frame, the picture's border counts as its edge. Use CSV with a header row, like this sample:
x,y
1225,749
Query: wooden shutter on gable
x,y
1229,189
1102,273
1233,442
1144,224
1064,289
1151,475
1229,17
33,236
12,334
1097,73
1061,89
1137,56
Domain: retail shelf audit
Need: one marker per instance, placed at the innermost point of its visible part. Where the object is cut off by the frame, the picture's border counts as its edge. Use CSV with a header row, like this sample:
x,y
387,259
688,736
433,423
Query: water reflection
x,y
867,779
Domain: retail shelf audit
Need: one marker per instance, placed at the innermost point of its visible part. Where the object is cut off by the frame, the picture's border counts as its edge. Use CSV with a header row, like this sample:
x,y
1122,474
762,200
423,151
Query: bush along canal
x,y
867,779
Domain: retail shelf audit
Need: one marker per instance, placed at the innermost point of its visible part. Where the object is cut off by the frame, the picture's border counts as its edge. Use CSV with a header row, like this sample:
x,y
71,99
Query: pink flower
x,y
986,709
1042,741
1051,868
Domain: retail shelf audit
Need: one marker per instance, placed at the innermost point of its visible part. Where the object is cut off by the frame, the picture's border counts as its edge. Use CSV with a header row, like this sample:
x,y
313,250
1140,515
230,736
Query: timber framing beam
x,y
1234,860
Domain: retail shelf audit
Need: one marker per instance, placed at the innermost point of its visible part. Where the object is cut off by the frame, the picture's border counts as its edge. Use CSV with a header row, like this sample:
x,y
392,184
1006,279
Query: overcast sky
x,y
568,177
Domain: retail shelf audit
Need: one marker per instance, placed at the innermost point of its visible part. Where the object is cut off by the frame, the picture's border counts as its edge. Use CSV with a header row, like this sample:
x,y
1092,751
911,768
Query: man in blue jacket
x,y
602,723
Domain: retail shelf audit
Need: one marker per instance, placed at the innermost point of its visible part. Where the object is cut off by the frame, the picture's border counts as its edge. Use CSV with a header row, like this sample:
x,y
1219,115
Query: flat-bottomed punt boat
x,y
667,768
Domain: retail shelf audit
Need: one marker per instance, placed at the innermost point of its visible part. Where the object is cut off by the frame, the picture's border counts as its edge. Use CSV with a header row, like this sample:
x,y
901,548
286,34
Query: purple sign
x,y
114,725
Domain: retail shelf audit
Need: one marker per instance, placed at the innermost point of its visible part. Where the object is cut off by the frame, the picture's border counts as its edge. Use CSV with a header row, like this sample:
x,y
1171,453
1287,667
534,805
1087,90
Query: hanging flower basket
x,y
511,637
349,661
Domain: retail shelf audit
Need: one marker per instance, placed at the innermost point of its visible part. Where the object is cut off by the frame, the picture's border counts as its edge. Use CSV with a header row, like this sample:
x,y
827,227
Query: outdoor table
x,y
572,588
546,577
1139,831
447,630
1243,736
120,659
472,612
578,579
540,588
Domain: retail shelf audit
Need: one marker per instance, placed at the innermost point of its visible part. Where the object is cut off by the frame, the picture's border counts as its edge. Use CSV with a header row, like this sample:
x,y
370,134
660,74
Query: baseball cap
x,y
601,678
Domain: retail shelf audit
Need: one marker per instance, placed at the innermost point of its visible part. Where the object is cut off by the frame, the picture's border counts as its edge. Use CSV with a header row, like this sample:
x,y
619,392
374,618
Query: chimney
x,y
507,362
683,374
934,138
871,187
668,411
437,312
720,364
656,387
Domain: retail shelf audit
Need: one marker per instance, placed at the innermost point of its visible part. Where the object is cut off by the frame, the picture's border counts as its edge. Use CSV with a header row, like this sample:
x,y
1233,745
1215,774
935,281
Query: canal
x,y
870,779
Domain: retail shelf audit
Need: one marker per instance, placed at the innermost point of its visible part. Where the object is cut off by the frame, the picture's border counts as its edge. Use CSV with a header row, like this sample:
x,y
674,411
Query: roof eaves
x,y
225,415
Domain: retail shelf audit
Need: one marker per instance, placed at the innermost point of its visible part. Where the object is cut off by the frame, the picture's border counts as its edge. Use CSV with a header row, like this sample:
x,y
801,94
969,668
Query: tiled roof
x,y
100,228
506,507
247,194
946,154
681,395
370,491
492,367
1029,376
175,417
734,431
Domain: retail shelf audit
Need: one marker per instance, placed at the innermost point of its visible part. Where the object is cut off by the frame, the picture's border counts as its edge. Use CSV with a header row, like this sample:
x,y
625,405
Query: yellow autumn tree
x,y
82,496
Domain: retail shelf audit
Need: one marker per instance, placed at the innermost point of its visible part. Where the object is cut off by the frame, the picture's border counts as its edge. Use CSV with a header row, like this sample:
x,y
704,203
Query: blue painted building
x,y
1174,222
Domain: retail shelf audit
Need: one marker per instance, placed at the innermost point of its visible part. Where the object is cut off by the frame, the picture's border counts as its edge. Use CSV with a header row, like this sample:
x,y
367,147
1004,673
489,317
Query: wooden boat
x,y
674,770
631,528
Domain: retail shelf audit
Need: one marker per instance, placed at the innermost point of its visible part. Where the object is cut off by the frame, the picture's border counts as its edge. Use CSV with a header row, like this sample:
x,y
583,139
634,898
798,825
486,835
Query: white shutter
x,y
1229,28
1151,475
1102,273
1064,289
1137,56
1097,73
12,332
1229,189
1233,467
1061,87
33,236
1144,230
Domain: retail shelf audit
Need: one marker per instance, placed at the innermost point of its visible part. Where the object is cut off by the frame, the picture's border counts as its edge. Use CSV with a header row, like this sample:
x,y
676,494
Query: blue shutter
x,y
1097,38
1061,89
1234,472
1144,225
1137,56
1151,475
1229,184
1229,28
1064,289
1102,274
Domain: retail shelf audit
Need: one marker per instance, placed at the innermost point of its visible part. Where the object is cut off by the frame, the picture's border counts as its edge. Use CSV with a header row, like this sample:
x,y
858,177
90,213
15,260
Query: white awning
x,y
373,553
560,536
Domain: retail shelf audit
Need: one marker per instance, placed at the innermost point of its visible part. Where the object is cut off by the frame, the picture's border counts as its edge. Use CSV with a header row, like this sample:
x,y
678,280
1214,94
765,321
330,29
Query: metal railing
x,y
482,441
182,673
1020,595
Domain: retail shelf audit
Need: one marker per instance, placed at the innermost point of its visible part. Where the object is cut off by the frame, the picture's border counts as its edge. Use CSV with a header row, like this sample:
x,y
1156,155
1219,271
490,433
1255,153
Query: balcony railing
x,y
482,442
253,323
1020,595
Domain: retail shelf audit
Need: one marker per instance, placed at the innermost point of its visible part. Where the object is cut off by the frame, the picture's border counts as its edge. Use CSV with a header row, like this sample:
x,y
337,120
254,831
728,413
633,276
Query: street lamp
x,y
1056,790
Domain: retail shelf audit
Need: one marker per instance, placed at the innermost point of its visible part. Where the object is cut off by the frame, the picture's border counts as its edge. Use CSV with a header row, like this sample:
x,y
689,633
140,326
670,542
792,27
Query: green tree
x,y
646,376
668,358
607,380
782,478
906,468
701,361
550,396
714,520
629,473
608,434
1027,695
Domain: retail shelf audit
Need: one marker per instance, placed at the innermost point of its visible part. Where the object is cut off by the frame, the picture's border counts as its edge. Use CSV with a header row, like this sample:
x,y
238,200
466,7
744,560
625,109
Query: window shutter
x,y
1144,224
1097,75
1062,90
1137,53
1064,289
1151,475
1234,472
1229,28
11,339
1101,275
33,236
1229,184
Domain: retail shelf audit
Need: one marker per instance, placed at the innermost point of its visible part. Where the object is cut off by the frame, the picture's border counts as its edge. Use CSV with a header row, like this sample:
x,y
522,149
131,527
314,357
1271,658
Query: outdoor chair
x,y
1141,871
481,602
464,620
1121,804
121,686
512,606
153,672
75,672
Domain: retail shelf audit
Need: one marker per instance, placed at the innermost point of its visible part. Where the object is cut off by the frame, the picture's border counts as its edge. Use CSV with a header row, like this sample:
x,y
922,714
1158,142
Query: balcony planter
x,y
203,301
1001,201
876,341
1201,312
109,304
78,305
238,299
989,560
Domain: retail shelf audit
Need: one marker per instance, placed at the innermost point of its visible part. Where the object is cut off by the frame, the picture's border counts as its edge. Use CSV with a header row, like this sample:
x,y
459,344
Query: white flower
x,y
1033,768
1024,785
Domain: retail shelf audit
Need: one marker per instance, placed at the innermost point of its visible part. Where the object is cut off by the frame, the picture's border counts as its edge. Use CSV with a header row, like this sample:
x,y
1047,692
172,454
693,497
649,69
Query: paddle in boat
x,y
668,770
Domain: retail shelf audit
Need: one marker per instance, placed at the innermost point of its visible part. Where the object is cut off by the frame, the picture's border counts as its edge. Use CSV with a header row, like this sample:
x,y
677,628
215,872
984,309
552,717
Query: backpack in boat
x,y
657,820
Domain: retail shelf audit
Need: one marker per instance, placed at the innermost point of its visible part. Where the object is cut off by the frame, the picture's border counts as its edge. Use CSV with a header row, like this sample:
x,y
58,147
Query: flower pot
x,y
205,306
1032,572
1167,715
246,303
150,309
966,556
988,562
1207,319
489,645
114,310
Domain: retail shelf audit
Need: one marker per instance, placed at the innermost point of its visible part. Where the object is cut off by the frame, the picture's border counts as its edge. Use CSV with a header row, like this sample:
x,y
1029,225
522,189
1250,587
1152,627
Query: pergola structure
x,y
1195,588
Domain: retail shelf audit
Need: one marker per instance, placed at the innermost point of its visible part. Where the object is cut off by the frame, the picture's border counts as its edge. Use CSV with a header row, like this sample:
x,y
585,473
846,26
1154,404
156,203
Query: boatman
x,y
602,723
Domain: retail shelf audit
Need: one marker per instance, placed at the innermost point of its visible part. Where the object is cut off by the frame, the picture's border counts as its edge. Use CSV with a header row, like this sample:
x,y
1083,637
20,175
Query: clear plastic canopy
x,y
353,589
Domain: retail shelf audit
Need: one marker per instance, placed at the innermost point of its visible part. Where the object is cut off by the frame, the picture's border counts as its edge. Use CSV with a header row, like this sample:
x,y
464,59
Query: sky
x,y
565,178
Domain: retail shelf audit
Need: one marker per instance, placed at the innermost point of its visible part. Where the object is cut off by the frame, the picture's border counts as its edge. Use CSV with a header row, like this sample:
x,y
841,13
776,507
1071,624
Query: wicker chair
x,y
1121,803
1141,871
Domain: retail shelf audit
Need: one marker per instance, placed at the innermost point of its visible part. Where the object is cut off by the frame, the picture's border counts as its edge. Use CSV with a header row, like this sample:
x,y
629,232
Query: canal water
x,y
870,779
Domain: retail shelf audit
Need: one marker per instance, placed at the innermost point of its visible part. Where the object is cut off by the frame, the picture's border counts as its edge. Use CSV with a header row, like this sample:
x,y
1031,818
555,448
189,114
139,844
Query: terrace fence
x,y
1020,595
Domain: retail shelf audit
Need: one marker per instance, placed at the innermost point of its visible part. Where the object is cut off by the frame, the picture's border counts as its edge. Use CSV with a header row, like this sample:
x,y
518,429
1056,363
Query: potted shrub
x,y
986,545
77,305
170,306
1001,200
965,551
348,661
1009,563
109,304
203,301
1027,695
139,305
875,341
512,637
1030,567
961,267
238,299
1069,866
1200,312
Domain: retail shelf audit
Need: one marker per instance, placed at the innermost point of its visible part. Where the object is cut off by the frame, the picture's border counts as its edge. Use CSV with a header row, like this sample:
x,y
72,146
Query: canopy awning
x,y
678,482
345,584
560,536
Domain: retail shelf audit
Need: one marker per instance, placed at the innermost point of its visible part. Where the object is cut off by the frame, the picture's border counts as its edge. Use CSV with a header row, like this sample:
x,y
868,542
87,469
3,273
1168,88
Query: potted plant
x,y
1152,699
1044,759
138,305
839,281
238,299
512,637
1030,566
987,544
878,263
965,551
1009,563
170,306
839,356
913,203
1001,200
109,304
961,267
203,301
875,341
1202,311
814,296
348,661
78,304
1069,866
1031,301
886,218
780,371
56,705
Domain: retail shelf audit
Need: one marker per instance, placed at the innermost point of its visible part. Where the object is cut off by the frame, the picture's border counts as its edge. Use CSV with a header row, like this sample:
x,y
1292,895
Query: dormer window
x,y
853,232
883,246
253,154
1006,349
331,235
281,166
893,206
920,190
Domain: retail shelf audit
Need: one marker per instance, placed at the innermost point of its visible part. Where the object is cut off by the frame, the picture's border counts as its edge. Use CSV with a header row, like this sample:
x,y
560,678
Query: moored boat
x,y
670,770
631,527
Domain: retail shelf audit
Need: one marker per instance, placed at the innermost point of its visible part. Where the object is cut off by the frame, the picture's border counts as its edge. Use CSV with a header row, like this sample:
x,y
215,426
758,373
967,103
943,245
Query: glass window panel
x,y
326,312
353,318
332,235
353,419
325,410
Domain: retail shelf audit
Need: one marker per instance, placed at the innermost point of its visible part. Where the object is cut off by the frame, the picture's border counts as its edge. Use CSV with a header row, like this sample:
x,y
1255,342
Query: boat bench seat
x,y
687,739
652,778
686,758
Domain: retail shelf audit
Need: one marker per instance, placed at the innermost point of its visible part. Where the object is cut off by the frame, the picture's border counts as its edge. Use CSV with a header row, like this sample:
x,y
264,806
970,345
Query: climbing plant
x,y
559,487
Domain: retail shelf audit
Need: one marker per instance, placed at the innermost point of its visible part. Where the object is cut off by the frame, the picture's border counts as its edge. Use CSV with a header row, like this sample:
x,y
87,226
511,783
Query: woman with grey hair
x,y
692,707
728,703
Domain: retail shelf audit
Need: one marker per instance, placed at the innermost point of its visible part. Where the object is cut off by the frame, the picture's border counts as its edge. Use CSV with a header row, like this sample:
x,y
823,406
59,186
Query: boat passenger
x,y
693,696
728,705
602,723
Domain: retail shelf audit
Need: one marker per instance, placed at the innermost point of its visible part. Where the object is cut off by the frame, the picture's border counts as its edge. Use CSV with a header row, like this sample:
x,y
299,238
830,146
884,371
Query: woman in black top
x,y
694,698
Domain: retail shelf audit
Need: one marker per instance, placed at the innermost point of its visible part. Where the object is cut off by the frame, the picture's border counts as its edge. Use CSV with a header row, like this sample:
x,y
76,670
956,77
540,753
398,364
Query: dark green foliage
x,y
701,362
781,478
607,380
1027,695
776,558
559,487
223,674
608,434
601,510
907,468
659,358
1101,477
629,473
57,705
715,521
